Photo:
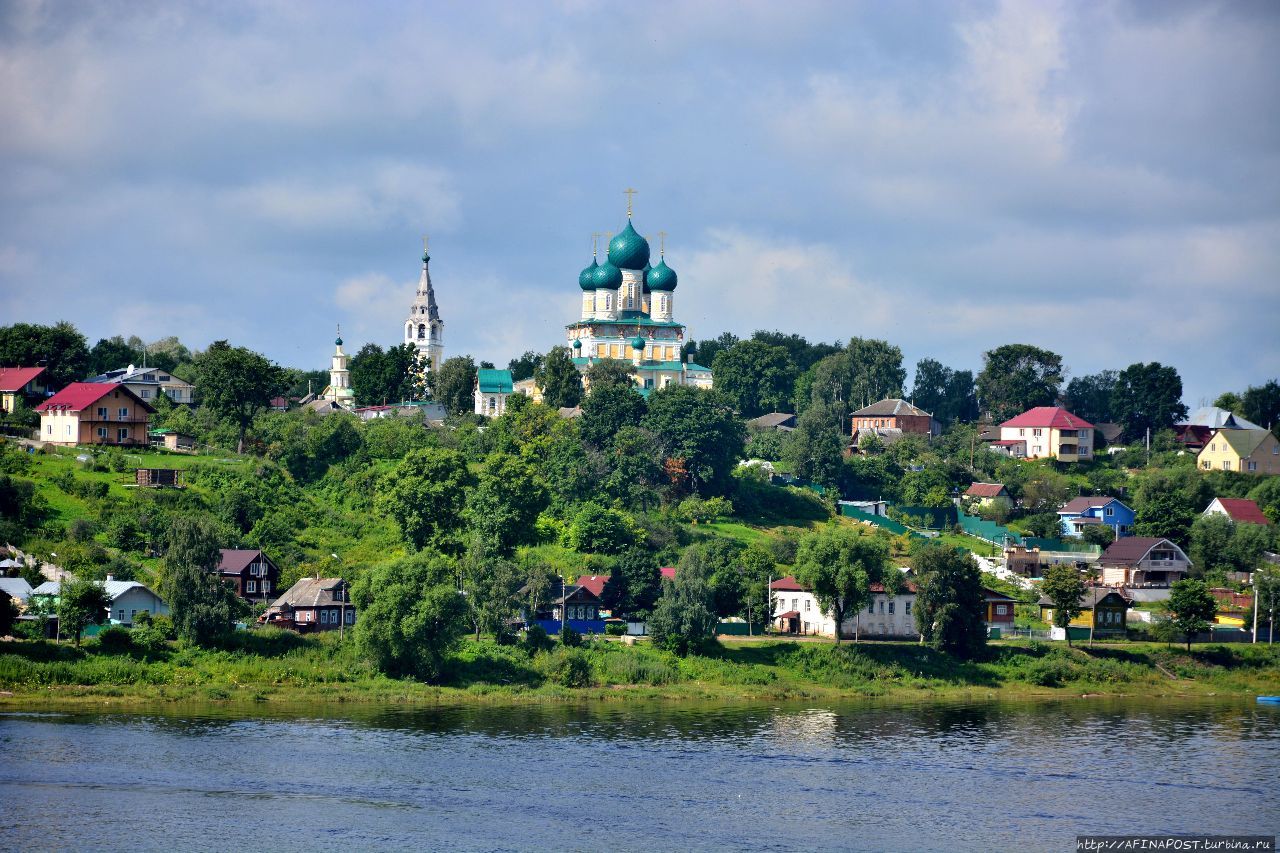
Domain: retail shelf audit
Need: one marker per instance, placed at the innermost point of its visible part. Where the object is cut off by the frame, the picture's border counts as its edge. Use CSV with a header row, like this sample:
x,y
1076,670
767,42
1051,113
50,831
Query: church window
x,y
422,331
662,304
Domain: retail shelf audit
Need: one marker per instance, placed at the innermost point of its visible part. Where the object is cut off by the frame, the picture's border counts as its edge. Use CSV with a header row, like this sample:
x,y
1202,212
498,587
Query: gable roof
x,y
1216,418
985,490
1239,510
1075,506
234,560
114,588
1242,441
1131,549
889,407
14,378
668,572
992,595
494,381
1092,596
1054,417
79,396
16,587
773,420
310,592
788,584
594,583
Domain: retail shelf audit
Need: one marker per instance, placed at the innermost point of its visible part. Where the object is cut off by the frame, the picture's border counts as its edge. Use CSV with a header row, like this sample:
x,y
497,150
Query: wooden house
x,y
1104,609
95,413
313,604
250,573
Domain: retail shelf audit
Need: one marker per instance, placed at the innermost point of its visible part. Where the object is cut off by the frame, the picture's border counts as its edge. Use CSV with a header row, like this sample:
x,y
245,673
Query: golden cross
x,y
425,250
629,192
595,242
662,244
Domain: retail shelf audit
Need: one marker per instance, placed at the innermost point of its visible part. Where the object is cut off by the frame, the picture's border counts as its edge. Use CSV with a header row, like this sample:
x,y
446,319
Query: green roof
x,y
494,381
693,366
638,320
628,250
1243,441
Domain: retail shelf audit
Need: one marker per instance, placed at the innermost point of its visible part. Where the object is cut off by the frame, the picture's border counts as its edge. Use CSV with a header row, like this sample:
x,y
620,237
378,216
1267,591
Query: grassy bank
x,y
279,667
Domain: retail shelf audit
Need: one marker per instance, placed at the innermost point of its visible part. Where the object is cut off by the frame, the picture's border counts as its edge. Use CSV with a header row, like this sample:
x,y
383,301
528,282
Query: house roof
x,y
139,376
114,588
14,378
788,584
992,595
890,407
1240,509
1054,417
594,583
16,587
79,396
790,614
668,572
1009,442
1193,434
494,381
1092,595
1216,418
1131,549
985,490
1109,432
234,560
1242,441
1075,506
309,592
773,420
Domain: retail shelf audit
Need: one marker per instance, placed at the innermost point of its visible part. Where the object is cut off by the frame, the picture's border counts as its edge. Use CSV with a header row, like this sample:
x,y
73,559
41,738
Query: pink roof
x,y
1009,442
594,583
668,572
788,584
14,378
79,396
1244,510
985,490
1055,417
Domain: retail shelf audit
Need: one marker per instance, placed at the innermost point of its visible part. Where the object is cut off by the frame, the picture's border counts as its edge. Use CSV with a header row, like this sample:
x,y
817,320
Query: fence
x,y
930,517
987,530
1059,545
878,520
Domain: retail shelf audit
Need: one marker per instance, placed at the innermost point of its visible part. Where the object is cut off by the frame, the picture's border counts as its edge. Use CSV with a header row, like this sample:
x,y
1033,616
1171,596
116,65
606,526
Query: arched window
x,y
422,331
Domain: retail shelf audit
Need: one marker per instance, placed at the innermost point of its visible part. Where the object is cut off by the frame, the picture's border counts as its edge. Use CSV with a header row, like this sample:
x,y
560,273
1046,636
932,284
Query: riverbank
x,y
282,669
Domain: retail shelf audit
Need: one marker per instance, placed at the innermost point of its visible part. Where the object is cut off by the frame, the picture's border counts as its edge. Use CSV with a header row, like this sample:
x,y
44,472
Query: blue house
x,y
1079,513
578,604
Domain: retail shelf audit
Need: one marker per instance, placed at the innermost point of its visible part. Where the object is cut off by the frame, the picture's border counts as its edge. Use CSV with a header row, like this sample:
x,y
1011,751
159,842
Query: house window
x,y
1035,432
119,615
102,432
795,604
1226,464
122,434
806,604
250,586
324,617
124,412
1110,511
351,616
907,609
1002,609
68,429
881,607
1206,465
871,608
266,586
145,393
1021,433
102,412
1253,466
891,607
48,430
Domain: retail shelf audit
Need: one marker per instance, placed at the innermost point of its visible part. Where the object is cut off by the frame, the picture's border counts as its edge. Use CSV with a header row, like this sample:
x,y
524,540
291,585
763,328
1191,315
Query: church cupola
x,y
586,278
662,277
628,250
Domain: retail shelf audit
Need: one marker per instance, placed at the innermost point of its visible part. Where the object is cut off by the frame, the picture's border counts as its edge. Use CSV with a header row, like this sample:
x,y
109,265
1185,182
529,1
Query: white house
x,y
128,599
886,616
1048,431
1143,561
493,389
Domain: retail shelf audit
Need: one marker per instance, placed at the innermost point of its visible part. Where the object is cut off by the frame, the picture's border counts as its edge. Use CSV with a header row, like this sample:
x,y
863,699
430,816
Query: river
x,y
1027,776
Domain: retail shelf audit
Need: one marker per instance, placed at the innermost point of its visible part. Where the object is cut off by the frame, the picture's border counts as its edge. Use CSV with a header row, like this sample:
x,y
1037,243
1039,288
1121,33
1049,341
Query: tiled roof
x,y
985,490
888,408
76,397
309,592
1054,417
14,378
1242,510
594,583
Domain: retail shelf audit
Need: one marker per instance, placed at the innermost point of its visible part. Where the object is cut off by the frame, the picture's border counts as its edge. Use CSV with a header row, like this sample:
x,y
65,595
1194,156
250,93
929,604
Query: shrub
x,y
638,669
569,638
115,639
568,668
615,629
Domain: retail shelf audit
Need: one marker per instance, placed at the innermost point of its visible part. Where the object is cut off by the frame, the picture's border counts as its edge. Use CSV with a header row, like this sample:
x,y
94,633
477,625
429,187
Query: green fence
x,y
1059,545
878,520
988,530
930,517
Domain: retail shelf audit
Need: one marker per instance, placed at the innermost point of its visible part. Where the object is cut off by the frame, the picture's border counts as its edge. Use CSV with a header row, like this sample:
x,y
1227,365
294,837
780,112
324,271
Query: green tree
x,y
601,530
525,366
1266,494
802,353
704,352
1090,396
699,436
490,588
875,371
503,508
454,386
1064,587
1167,501
426,495
1191,608
838,566
758,566
411,615
1017,377
949,601
379,377
684,619
607,410
1147,396
1210,550
236,384
945,393
112,354
81,603
1261,405
202,607
755,376
60,347
813,449
560,380
610,373
634,585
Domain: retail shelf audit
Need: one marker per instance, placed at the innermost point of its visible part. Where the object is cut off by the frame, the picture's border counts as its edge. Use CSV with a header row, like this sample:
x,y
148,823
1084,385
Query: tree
x,y
490,586
503,508
601,530
684,618
1167,501
560,380
411,615
62,350
201,605
112,354
610,373
1210,549
607,410
81,603
635,584
236,384
1191,608
949,601
454,386
1064,587
379,377
838,566
802,353
757,564
755,376
1147,396
704,352
1262,405
945,393
813,449
716,560
525,366
1017,377
875,371
700,437
426,494
1090,396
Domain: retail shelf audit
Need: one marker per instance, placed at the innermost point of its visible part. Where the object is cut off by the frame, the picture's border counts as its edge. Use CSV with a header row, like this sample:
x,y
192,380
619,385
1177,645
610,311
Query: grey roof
x,y
114,589
1092,595
16,587
310,592
1215,418
888,408
773,420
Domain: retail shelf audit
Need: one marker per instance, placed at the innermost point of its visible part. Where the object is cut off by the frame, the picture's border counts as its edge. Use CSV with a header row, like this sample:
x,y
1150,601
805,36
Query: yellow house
x,y
1253,451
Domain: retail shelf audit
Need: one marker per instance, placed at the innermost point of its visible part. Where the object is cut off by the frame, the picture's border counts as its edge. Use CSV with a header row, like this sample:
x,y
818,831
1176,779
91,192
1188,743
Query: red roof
x,y
668,572
594,583
79,396
1009,442
907,586
985,490
788,584
14,378
1048,416
790,614
1243,510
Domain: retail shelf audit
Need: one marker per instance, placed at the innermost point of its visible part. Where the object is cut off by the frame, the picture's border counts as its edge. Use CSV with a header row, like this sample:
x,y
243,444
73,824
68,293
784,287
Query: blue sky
x,y
1102,179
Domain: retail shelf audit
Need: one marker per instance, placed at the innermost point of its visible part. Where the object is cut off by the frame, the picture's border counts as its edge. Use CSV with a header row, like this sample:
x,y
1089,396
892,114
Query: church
x,y
628,314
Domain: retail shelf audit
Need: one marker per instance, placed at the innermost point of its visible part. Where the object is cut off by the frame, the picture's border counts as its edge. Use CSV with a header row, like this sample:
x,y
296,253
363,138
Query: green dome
x,y
628,250
607,276
425,257
337,342
644,287
577,344
662,277
586,278
637,342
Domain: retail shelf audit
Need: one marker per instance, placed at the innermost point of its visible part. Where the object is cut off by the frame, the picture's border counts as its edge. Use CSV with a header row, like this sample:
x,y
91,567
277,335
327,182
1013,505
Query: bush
x,y
568,668
634,668
569,638
614,629
115,639
536,639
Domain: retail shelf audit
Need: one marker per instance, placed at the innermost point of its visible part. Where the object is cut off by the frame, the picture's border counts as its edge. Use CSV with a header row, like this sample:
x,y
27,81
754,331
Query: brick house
x,y
95,413
1050,431
896,414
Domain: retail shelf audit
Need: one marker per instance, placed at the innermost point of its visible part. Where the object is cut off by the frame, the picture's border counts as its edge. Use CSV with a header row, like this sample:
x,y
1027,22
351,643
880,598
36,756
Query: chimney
x,y
110,578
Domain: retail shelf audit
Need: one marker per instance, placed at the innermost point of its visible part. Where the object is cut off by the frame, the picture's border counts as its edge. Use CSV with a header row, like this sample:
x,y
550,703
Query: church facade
x,y
339,388
423,328
628,315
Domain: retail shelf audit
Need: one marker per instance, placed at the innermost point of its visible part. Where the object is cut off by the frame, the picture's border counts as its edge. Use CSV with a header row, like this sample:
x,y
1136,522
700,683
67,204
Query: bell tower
x,y
424,328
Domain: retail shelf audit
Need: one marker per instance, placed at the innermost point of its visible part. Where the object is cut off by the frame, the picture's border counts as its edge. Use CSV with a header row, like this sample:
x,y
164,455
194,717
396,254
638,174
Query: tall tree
x,y
81,603
426,494
813,449
699,435
875,371
803,354
610,373
202,606
560,380
111,354
1167,501
1261,405
1191,608
607,410
379,377
945,393
490,585
949,602
525,366
60,348
1147,396
635,584
1090,396
1064,587
704,352
1017,377
411,615
757,377
503,507
684,619
838,565
454,387
236,384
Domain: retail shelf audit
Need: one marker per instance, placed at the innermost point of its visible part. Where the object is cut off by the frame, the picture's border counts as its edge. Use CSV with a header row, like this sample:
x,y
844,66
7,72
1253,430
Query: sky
x,y
1101,179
